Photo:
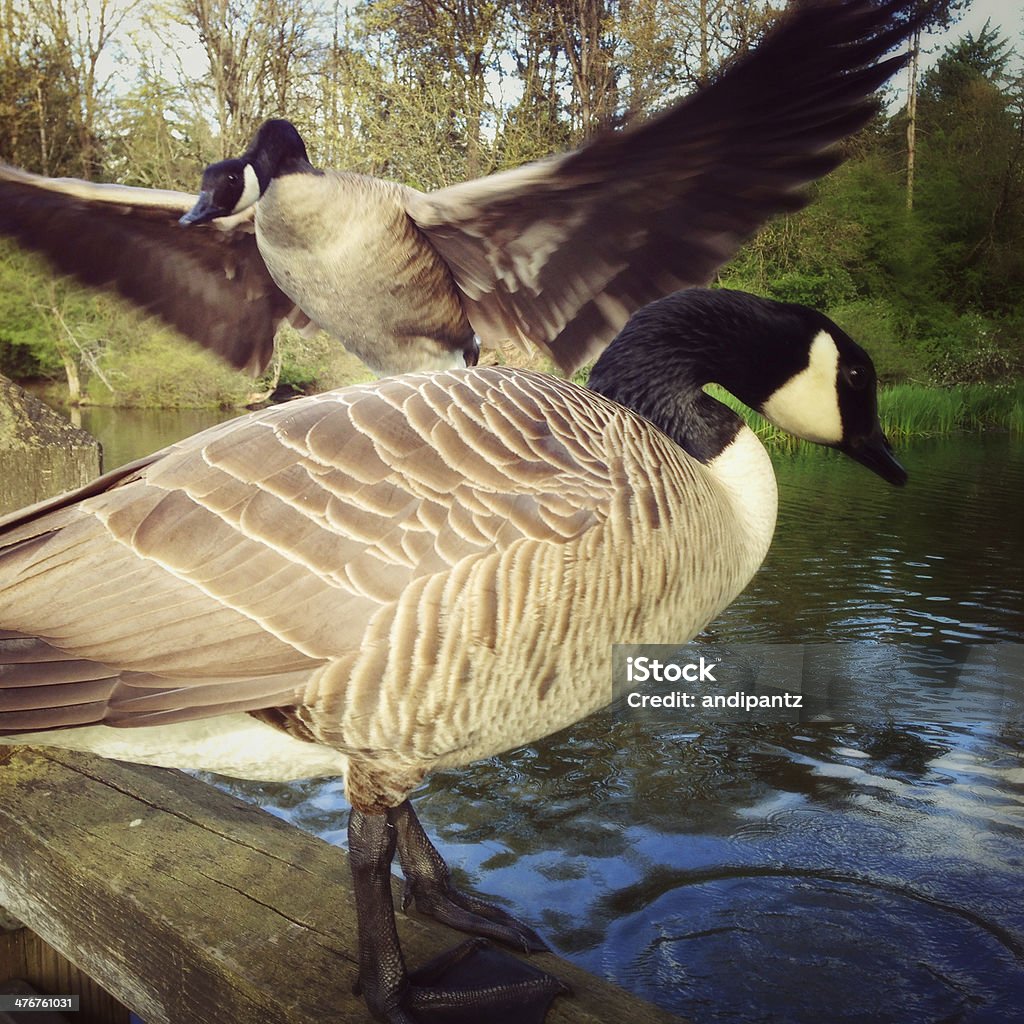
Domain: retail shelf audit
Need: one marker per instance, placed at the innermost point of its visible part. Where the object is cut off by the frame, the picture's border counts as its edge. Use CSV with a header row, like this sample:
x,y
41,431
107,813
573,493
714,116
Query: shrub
x,y
164,372
878,326
821,287
973,349
314,364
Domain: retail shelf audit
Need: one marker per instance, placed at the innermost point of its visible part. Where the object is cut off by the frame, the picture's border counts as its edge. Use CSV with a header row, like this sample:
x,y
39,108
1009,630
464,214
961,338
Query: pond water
x,y
866,871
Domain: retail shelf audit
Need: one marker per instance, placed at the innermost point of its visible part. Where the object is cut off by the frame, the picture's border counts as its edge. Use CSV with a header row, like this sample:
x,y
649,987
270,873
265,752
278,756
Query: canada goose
x,y
556,253
418,572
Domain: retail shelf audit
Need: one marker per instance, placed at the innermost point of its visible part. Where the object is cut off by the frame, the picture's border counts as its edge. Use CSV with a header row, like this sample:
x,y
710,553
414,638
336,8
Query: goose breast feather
x,y
417,563
353,271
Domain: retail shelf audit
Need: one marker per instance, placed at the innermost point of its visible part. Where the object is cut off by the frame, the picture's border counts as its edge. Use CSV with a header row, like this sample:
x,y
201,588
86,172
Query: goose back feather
x,y
386,558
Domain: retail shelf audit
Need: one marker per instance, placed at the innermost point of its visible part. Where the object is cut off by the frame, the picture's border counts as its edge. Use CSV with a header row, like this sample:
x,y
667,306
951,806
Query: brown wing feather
x,y
224,572
209,281
42,687
559,253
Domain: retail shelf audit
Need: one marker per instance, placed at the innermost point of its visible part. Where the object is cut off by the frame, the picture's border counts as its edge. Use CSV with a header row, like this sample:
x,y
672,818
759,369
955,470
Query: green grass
x,y
913,410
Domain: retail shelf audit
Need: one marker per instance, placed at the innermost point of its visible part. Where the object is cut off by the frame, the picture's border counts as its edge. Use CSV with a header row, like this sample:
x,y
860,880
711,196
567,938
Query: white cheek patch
x,y
808,404
250,190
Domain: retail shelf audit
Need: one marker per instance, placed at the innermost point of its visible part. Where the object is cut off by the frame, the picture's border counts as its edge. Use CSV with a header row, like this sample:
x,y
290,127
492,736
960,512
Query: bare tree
x,y
941,15
82,32
590,44
257,53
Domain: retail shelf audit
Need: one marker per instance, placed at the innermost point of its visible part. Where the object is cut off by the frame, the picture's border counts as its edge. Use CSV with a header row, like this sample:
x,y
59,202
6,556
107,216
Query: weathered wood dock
x,y
41,453
187,905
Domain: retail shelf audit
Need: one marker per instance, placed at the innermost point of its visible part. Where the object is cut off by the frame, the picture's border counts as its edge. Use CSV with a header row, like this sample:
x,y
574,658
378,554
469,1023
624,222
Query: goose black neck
x,y
277,150
663,357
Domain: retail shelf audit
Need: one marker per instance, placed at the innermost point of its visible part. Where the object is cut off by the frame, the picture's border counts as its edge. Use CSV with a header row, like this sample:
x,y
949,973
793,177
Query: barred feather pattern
x,y
417,572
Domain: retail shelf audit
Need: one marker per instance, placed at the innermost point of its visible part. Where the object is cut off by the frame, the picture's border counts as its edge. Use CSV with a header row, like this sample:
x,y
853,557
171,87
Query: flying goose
x,y
555,254
415,573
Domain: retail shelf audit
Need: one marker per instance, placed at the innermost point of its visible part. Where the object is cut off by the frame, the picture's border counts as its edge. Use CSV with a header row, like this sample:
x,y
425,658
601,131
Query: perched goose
x,y
416,573
556,253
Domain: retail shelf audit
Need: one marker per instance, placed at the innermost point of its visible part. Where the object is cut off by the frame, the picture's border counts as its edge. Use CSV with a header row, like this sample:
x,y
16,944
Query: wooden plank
x,y
187,904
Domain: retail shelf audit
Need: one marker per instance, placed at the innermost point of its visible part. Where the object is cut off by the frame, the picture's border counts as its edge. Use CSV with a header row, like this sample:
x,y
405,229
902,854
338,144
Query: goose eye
x,y
857,377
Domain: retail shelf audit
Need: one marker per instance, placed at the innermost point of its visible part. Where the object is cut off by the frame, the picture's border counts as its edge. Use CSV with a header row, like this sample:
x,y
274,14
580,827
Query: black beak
x,y
204,210
875,452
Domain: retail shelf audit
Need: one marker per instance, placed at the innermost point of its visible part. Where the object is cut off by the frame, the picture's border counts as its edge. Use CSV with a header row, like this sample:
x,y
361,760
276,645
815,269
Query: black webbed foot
x,y
468,984
475,979
428,883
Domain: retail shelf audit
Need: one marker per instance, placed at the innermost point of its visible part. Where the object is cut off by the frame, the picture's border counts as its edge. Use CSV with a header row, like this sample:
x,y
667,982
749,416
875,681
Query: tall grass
x,y
913,410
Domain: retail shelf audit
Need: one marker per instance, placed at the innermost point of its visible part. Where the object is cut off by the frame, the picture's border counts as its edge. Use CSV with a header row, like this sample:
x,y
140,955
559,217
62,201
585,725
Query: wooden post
x,y
41,453
189,905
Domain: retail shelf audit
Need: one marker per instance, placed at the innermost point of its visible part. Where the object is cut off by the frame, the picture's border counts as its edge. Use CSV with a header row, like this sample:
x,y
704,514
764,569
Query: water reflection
x,y
940,559
850,873
129,434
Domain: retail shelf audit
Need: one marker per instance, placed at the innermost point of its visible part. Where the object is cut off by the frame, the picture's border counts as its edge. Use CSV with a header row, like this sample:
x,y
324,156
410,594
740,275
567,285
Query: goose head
x,y
231,186
789,362
826,391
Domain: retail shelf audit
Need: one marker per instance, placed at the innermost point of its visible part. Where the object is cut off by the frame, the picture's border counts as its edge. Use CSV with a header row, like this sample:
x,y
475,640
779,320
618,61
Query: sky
x,y
1007,14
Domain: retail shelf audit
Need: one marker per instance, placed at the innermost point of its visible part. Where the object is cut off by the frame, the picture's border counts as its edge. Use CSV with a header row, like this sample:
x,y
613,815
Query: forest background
x,y
914,245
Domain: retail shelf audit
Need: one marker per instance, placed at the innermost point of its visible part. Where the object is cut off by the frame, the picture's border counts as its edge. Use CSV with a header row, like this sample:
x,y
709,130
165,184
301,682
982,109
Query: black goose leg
x,y
428,882
383,980
470,983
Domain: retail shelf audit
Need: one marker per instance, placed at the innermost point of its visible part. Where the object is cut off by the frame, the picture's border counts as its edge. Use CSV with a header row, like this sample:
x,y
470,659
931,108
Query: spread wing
x,y
223,572
561,252
208,281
